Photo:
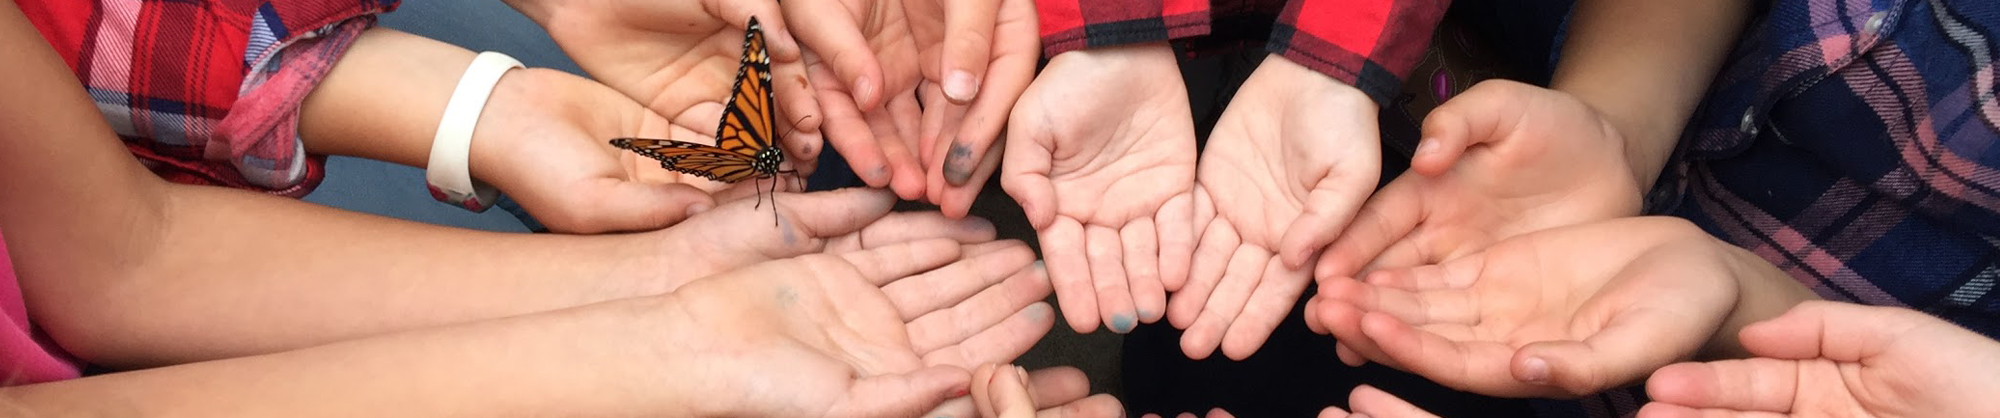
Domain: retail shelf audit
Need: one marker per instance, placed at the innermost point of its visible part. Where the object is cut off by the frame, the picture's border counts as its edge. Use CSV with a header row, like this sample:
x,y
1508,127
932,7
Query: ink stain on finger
x,y
958,164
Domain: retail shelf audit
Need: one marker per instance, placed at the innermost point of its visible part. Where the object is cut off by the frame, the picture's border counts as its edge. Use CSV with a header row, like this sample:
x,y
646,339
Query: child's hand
x,y
1105,177
1843,359
1499,160
543,139
1296,152
1009,391
1561,312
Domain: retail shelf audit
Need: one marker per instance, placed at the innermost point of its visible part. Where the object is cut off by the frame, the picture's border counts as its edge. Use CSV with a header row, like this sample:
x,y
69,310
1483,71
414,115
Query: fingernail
x,y
1039,312
879,174
1426,146
959,86
1023,373
698,208
1357,415
1121,323
1537,370
958,164
863,88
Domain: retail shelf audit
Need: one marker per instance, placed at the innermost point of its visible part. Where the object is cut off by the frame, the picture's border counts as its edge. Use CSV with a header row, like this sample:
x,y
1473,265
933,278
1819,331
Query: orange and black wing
x,y
691,158
747,119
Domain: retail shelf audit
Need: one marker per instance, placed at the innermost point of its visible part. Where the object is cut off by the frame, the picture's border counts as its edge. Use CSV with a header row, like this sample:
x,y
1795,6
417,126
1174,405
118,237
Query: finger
x,y
1003,342
954,323
1664,410
1102,405
1009,394
1482,114
899,143
1312,317
1624,351
1332,412
1374,402
1343,320
1386,218
968,41
1473,366
1012,69
837,38
1246,269
900,227
618,205
1107,274
854,209
884,265
847,128
1839,331
1069,271
1219,413
1025,173
1329,207
1211,258
946,286
957,200
1452,306
1754,384
933,135
1177,240
769,17
901,395
1058,385
801,118
982,386
1142,269
1268,305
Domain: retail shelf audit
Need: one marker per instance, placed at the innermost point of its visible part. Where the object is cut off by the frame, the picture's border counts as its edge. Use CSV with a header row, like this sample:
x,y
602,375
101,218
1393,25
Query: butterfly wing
x,y
707,161
747,118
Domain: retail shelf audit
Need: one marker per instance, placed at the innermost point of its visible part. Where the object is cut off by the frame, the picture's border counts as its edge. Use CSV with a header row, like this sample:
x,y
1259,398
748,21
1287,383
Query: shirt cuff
x,y
260,136
1068,25
1369,45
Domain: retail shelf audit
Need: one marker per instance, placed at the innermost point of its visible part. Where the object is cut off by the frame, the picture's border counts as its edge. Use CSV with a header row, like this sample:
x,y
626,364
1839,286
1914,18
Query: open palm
x,y
1294,151
1567,311
1105,178
680,58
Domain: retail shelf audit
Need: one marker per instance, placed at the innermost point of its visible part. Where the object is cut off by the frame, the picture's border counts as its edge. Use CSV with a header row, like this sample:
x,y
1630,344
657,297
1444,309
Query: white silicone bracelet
x,y
449,171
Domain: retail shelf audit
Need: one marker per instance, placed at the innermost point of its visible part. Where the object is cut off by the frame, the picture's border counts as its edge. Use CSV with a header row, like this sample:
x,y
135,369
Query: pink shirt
x,y
26,356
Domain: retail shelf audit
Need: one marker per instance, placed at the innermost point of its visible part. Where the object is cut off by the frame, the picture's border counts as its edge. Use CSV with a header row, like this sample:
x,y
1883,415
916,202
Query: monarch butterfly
x,y
744,147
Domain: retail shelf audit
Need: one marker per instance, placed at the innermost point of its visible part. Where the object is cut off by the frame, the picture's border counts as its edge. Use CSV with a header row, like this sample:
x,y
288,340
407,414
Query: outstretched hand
x,y
1295,151
1105,178
1839,359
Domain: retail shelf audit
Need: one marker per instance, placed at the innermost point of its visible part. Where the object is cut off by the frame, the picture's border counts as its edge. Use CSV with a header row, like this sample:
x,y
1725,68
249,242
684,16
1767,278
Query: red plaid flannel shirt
x,y
207,92
1369,44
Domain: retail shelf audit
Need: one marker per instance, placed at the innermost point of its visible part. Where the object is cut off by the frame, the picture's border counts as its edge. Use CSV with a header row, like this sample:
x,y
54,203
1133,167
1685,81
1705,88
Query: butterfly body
x,y
745,147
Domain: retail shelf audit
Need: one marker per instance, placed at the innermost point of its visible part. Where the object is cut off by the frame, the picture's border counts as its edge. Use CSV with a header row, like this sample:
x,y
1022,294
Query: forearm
x,y
237,273
526,366
126,270
1644,65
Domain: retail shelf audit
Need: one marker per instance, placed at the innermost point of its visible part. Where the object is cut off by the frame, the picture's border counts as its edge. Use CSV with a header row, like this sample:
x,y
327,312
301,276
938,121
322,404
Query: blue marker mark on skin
x,y
1121,323
785,227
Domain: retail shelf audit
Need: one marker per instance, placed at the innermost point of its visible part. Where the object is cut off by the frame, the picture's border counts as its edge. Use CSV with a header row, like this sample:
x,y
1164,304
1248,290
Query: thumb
x,y
1329,207
901,395
1024,171
1623,352
1834,330
968,42
1486,113
837,212
619,205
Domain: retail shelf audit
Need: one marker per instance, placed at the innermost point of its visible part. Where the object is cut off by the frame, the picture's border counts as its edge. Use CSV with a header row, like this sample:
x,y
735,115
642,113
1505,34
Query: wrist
x,y
1762,292
521,98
